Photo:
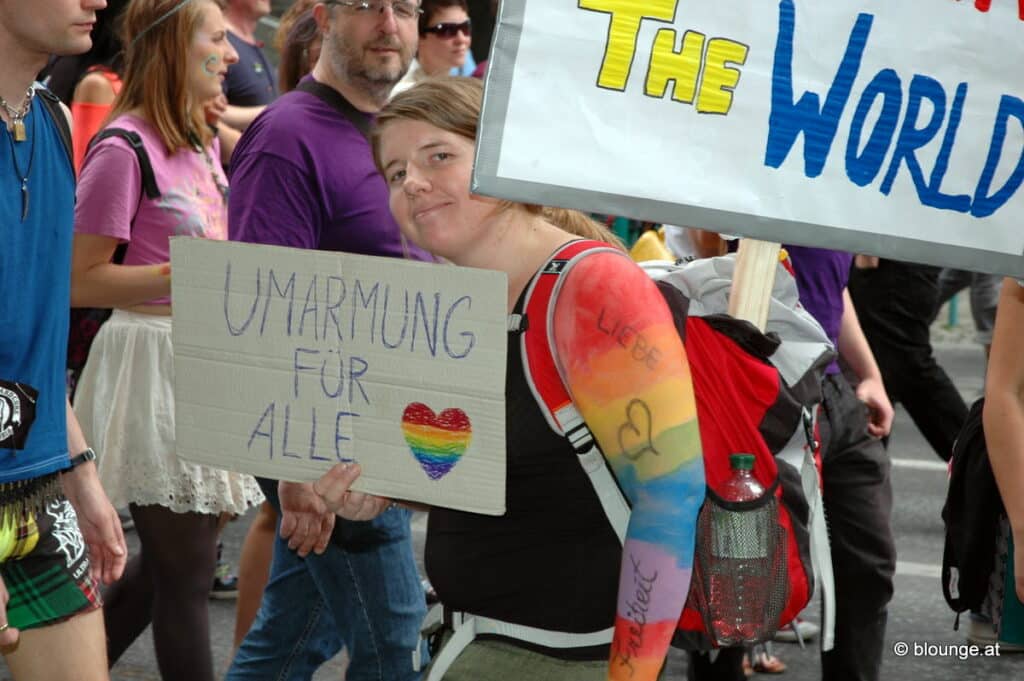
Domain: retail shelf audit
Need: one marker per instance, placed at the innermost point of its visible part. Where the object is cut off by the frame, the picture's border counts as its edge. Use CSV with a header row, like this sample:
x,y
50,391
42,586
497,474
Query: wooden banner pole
x,y
753,280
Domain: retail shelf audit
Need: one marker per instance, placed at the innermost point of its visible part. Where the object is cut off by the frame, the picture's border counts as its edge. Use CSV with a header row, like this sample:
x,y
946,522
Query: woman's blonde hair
x,y
453,104
157,39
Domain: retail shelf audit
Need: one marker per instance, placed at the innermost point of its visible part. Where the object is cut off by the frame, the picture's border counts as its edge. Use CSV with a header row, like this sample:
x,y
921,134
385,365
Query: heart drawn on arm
x,y
437,441
636,435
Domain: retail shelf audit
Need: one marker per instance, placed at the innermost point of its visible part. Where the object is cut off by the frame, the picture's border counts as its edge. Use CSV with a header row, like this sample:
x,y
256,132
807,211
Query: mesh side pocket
x,y
740,582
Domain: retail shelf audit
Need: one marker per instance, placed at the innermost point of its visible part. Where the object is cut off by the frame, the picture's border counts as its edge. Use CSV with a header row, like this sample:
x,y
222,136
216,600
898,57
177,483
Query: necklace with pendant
x,y
17,116
23,177
222,189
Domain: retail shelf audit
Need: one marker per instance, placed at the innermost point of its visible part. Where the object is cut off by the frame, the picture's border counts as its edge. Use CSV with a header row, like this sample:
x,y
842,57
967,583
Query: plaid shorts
x,y
45,567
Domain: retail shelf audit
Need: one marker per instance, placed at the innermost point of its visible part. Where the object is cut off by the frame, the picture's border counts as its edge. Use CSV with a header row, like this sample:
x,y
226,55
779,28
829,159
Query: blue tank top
x,y
35,284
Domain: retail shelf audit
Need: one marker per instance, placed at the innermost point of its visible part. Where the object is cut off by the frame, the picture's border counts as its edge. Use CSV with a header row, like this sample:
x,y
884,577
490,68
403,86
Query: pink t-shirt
x,y
190,203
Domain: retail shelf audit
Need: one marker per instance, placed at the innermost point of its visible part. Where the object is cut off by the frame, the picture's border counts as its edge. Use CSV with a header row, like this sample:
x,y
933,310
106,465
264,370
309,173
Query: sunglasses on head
x,y
449,29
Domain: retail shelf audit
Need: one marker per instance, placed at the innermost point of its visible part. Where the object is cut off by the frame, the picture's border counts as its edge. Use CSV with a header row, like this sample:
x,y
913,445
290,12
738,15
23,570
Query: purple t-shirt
x,y
303,176
821,277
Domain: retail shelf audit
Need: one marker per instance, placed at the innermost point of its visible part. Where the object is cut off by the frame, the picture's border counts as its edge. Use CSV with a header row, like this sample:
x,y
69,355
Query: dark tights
x,y
167,584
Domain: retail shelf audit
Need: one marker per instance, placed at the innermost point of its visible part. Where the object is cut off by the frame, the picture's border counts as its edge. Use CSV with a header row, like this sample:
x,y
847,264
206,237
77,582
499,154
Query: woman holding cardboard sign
x,y
552,568
176,56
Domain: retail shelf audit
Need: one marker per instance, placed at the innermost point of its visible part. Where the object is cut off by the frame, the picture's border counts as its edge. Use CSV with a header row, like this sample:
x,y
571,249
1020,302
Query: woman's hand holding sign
x,y
333,488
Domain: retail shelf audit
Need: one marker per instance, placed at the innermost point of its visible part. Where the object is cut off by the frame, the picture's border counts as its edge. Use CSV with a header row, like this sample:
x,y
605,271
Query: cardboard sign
x,y
893,128
289,361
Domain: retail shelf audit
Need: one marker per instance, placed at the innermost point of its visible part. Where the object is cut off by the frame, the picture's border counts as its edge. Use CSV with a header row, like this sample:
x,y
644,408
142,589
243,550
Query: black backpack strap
x,y
51,103
338,103
149,185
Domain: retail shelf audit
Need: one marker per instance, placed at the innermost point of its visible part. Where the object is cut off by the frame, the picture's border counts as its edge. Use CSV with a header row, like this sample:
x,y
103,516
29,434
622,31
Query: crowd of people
x,y
360,139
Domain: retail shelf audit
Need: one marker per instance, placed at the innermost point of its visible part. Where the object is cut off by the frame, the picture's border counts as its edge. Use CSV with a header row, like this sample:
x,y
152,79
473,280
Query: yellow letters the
x,y
683,66
719,80
622,33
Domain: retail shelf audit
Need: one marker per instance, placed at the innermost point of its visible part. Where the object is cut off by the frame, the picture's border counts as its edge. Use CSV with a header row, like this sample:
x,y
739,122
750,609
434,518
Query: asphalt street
x,y
919,618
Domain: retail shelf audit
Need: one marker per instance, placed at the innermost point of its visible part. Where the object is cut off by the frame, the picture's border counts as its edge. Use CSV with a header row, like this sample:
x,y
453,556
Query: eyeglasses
x,y
402,9
448,30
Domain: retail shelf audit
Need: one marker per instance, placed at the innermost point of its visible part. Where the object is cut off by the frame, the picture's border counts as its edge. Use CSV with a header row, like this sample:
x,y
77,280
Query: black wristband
x,y
85,457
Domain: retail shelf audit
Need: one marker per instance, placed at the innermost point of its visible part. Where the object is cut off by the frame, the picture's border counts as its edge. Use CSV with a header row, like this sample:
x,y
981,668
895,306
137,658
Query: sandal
x,y
765,663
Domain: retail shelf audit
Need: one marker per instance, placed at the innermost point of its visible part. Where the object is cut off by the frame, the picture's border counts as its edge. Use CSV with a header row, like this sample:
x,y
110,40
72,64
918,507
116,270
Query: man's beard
x,y
350,63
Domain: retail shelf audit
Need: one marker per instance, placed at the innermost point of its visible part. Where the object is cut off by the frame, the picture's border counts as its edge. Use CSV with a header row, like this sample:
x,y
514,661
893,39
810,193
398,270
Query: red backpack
x,y
756,393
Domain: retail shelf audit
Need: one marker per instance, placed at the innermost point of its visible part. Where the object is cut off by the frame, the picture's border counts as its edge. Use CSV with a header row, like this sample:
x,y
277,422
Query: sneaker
x,y
980,632
766,663
798,627
225,584
760,660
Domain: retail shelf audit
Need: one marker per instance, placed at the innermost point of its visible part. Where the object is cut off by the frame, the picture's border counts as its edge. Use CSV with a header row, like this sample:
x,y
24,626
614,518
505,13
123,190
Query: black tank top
x,y
552,561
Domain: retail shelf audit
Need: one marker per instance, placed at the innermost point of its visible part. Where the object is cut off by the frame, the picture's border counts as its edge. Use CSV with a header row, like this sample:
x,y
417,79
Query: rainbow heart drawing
x,y
437,441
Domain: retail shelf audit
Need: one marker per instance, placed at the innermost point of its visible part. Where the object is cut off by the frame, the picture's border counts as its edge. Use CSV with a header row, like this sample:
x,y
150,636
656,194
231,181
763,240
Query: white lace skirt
x,y
125,403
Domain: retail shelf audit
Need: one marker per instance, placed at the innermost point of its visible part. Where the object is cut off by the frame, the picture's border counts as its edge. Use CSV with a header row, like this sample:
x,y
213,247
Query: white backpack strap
x,y
542,637
465,632
821,551
799,453
821,560
596,468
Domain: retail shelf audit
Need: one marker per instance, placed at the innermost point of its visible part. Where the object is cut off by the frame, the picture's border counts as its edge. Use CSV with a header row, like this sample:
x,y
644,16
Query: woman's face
x,y
444,45
428,174
210,55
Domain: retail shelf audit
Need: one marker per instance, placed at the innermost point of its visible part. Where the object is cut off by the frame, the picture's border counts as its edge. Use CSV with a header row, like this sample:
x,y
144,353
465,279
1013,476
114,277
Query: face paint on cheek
x,y
210,64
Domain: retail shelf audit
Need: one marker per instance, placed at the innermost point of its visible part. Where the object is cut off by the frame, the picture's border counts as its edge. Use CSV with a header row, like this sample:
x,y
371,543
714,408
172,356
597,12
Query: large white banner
x,y
888,127
289,361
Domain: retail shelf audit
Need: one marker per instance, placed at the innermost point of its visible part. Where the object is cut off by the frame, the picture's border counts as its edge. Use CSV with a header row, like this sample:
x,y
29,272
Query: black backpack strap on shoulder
x,y
133,139
338,103
51,103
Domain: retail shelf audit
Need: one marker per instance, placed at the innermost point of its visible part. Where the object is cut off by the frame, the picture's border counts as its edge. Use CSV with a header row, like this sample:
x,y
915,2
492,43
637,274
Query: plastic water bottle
x,y
740,562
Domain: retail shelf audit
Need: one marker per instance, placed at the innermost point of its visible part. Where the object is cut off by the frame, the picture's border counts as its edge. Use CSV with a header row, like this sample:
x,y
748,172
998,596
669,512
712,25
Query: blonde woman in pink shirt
x,y
176,56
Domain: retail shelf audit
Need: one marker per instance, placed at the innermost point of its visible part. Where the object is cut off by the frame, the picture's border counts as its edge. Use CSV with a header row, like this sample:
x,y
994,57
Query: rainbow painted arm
x,y
627,372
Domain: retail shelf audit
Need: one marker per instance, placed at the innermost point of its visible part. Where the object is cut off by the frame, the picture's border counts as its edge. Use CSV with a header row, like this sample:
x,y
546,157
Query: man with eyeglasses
x,y
303,176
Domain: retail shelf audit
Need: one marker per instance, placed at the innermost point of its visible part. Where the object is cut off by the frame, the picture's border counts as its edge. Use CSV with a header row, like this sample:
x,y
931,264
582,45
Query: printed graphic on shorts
x,y
65,531
17,413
